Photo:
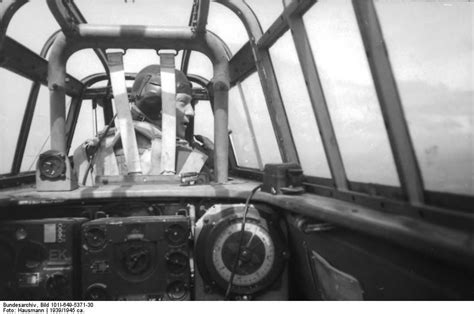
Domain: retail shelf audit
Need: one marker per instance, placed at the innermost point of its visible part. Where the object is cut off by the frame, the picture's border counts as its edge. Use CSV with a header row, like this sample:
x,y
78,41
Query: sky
x,y
430,45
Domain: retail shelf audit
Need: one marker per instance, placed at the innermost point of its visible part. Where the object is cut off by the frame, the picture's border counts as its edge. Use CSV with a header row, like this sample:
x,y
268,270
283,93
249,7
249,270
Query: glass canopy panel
x,y
267,11
241,135
431,54
38,138
32,35
83,63
227,25
200,64
350,93
254,99
252,135
298,108
89,122
138,12
14,91
204,119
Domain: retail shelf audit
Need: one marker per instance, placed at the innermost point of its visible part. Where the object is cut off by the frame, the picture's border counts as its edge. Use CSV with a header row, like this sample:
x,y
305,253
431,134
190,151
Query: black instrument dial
x,y
95,238
137,260
52,165
176,234
176,290
177,262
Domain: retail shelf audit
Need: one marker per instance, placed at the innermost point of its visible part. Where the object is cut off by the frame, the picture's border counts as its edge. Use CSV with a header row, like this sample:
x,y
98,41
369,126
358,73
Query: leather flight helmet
x,y
146,90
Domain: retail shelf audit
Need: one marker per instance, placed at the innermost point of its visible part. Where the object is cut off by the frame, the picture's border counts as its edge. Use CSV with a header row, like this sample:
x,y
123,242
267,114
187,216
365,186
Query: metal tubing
x,y
29,111
98,36
280,26
30,65
56,85
7,9
390,103
318,101
203,13
267,76
71,121
221,137
68,17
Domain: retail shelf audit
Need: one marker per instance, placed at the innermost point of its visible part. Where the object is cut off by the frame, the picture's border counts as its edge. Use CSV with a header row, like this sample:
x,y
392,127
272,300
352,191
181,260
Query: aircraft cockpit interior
x,y
236,150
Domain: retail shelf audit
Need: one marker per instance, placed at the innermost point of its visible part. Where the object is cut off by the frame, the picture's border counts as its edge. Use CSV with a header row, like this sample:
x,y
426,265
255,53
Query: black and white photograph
x,y
236,150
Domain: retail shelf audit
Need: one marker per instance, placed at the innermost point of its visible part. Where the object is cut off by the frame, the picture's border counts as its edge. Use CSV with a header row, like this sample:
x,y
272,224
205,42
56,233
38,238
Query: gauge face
x,y
177,262
256,257
176,234
176,290
254,264
97,292
137,260
95,238
51,165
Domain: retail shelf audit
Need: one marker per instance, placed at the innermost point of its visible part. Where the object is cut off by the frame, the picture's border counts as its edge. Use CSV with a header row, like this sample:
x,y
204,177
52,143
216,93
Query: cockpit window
x,y
76,64
350,93
234,37
267,11
204,119
298,108
21,22
11,114
38,138
431,54
200,64
252,136
89,123
142,12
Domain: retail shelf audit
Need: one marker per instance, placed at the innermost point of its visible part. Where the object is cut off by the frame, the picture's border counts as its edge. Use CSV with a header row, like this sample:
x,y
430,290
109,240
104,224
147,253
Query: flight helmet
x,y
146,90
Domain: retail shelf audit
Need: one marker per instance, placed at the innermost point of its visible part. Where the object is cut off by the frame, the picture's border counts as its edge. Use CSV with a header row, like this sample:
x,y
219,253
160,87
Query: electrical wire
x,y
92,158
241,241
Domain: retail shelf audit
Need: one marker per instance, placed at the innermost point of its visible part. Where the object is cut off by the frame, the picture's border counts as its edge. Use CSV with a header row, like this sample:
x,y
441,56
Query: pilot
x,y
104,154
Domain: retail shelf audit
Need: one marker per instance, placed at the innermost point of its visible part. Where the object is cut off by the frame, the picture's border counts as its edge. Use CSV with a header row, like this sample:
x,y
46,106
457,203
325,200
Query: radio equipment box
x,y
39,259
285,178
136,258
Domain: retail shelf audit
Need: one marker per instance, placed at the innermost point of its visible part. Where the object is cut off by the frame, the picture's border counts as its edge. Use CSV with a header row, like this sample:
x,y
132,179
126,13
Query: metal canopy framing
x,y
267,76
316,94
29,111
142,37
389,99
7,9
68,15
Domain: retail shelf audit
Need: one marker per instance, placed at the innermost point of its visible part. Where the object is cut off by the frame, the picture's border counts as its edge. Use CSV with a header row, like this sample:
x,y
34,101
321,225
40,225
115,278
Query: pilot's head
x,y
146,91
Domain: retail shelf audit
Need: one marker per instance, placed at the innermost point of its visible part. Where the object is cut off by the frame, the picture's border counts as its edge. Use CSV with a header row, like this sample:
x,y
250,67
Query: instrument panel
x,y
150,252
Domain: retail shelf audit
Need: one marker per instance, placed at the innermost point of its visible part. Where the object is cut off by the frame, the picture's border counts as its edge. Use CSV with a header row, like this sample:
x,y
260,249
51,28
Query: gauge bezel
x,y
206,242
55,156
87,231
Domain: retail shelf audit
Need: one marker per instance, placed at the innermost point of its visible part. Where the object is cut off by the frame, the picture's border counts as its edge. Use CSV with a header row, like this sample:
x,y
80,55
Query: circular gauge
x,y
256,257
57,285
262,251
52,165
176,290
137,260
97,292
177,262
95,238
176,234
